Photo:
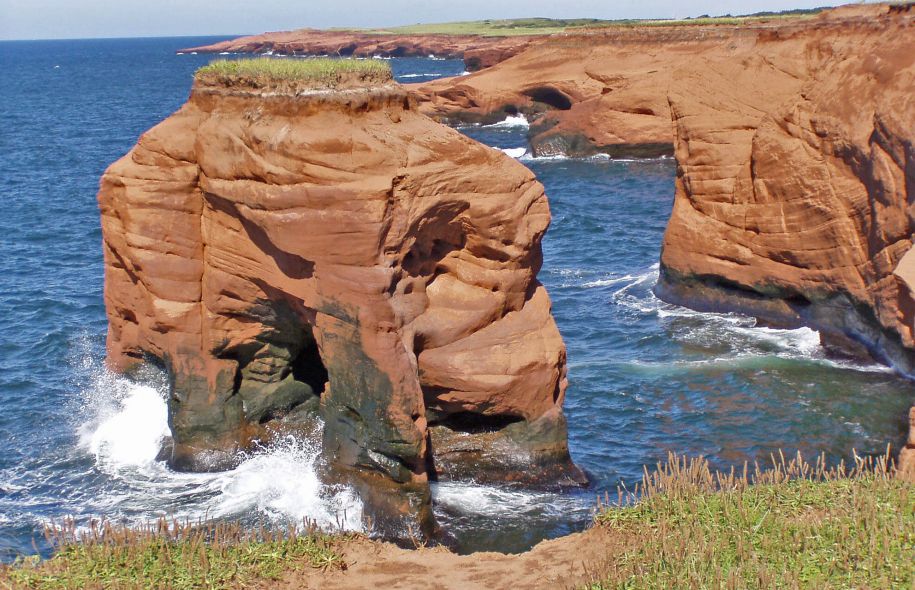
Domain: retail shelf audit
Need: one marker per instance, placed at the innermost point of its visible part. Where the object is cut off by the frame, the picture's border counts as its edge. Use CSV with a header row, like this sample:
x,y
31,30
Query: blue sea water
x,y
645,377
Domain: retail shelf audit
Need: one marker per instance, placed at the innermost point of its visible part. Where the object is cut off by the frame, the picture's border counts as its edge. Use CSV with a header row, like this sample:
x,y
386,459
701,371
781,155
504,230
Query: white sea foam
x,y
561,158
529,157
608,281
131,430
502,502
425,75
601,157
283,484
124,424
511,121
514,152
802,342
746,339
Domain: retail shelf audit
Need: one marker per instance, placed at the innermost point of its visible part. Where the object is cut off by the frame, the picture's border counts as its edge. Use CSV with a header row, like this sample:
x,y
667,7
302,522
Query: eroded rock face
x,y
337,254
477,51
795,185
795,188
795,158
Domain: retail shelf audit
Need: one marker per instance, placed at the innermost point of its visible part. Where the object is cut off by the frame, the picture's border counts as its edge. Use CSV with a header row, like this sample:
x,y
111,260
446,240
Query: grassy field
x,y
295,73
798,526
549,26
171,555
790,525
492,28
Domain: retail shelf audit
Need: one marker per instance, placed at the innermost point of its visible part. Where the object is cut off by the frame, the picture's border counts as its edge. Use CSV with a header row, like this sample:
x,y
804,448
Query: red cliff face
x,y
337,254
794,146
796,175
477,51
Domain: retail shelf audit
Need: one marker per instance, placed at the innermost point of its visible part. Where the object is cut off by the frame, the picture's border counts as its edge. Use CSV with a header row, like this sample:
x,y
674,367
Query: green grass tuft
x,y
799,526
170,555
299,74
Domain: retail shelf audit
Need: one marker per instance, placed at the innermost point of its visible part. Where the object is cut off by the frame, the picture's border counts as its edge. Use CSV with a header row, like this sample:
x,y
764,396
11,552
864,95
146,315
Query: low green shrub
x,y
317,73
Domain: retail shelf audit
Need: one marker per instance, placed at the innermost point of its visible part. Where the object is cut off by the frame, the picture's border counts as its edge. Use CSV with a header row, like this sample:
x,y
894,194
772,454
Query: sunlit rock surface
x,y
338,254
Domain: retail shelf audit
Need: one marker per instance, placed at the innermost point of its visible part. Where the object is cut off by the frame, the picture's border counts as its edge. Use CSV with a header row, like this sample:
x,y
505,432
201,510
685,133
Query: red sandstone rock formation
x,y
477,51
338,253
795,145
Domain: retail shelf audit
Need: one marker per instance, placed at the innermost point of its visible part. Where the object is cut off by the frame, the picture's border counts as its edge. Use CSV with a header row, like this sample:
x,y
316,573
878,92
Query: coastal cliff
x,y
288,254
794,150
477,51
794,185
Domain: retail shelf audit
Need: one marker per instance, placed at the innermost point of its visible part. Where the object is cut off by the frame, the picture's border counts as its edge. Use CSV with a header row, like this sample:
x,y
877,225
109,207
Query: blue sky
x,y
62,19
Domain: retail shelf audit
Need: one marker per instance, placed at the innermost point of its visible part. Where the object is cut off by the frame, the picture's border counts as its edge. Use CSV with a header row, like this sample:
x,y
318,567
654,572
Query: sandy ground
x,y
567,562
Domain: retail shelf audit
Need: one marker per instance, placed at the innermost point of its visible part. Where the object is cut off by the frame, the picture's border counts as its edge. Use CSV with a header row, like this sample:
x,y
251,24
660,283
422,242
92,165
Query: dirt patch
x,y
566,562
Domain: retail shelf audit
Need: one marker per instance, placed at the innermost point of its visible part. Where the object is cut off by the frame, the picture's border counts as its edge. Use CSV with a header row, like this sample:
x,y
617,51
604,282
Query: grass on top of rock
x,y
170,554
491,27
549,26
797,526
295,74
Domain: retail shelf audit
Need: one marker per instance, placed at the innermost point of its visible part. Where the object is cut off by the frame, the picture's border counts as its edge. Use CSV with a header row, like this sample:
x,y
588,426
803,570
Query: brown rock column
x,y
290,256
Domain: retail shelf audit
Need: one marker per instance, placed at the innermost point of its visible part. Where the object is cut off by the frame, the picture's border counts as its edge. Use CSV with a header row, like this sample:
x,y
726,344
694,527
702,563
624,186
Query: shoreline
x,y
738,526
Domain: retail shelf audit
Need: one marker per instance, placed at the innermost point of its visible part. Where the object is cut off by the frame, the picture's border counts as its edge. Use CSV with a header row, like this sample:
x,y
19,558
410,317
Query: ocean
x,y
646,378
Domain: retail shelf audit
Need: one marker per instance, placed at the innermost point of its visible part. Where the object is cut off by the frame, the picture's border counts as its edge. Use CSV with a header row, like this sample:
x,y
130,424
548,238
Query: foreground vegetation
x,y
549,26
171,555
798,526
789,525
316,73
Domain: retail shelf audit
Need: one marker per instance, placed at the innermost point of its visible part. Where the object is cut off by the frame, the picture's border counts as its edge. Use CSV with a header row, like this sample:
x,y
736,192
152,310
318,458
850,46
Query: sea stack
x,y
291,248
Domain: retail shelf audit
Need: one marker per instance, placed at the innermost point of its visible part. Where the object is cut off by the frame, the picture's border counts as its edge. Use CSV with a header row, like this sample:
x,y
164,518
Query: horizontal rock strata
x,y
794,148
477,51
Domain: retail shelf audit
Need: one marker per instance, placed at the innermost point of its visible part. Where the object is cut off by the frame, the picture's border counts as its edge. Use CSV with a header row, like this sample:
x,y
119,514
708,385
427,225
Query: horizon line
x,y
827,5
21,39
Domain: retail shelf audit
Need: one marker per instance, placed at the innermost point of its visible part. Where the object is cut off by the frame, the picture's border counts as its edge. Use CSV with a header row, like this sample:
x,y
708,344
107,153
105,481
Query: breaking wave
x,y
510,121
514,152
124,424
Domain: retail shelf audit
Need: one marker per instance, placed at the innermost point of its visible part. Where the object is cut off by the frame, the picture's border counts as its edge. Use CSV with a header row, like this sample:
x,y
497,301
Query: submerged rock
x,y
334,252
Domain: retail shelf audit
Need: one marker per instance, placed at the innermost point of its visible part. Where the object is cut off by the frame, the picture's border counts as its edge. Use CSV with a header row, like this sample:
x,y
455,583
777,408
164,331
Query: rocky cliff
x,y
794,148
477,51
334,253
